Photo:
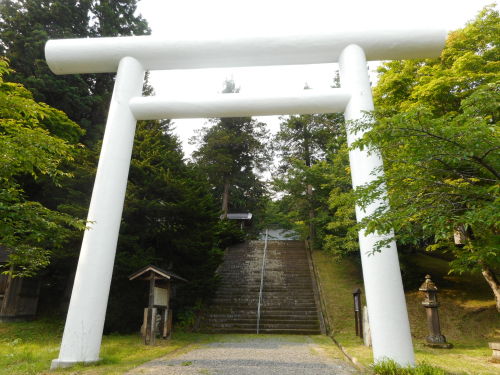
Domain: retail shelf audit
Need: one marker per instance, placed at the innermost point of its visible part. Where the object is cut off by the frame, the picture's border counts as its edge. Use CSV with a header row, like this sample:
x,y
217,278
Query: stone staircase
x,y
288,301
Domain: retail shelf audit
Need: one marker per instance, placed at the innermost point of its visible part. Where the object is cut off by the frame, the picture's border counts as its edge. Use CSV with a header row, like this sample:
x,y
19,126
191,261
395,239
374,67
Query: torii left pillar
x,y
82,336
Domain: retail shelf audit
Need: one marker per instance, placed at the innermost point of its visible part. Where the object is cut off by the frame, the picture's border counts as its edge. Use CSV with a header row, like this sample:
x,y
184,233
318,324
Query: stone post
x,y
367,336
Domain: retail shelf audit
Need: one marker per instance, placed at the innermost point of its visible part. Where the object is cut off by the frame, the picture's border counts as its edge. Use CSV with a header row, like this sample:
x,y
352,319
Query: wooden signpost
x,y
158,314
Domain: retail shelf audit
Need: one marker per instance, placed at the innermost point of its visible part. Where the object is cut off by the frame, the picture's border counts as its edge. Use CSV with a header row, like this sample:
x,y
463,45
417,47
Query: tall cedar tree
x,y
302,142
309,147
231,152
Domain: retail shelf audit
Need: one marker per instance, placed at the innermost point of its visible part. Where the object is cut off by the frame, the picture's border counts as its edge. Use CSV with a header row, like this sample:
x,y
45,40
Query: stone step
x,y
279,310
264,331
292,307
268,299
269,290
266,290
288,325
277,297
290,331
253,317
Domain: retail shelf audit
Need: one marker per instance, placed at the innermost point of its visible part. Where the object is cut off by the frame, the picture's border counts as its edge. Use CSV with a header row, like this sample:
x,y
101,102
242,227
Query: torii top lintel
x,y
102,55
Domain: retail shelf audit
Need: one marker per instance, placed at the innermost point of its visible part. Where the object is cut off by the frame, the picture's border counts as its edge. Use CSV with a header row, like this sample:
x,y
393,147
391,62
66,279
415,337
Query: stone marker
x,y
495,346
367,336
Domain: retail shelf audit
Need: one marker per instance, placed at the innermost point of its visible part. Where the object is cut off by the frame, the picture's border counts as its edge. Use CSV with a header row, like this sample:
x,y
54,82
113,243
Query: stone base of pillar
x,y
445,345
58,363
495,347
437,341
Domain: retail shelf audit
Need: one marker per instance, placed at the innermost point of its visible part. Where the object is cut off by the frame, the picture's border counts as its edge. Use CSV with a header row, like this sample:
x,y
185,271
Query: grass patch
x,y
468,316
29,347
392,368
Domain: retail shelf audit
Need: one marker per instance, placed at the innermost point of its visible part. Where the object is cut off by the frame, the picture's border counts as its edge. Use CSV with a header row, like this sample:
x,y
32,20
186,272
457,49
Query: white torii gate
x,y
130,57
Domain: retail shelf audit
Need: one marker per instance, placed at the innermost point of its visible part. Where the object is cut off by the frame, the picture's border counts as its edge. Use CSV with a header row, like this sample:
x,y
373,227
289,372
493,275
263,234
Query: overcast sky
x,y
263,17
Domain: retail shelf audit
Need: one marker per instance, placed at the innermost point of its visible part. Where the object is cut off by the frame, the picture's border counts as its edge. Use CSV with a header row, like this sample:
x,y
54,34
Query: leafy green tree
x,y
25,27
231,151
437,128
35,141
337,223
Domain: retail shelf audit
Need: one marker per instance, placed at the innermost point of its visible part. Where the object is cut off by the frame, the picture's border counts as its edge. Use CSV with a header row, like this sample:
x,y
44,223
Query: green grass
x,y
467,313
29,347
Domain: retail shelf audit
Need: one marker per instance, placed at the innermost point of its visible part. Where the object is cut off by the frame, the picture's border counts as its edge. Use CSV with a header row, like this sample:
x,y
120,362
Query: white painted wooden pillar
x,y
85,320
385,298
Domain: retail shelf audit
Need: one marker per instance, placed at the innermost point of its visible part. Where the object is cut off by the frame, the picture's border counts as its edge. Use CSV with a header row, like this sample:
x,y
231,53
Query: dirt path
x,y
297,355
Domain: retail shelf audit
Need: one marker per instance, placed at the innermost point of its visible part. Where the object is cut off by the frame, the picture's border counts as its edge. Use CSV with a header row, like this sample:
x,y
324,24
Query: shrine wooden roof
x,y
238,216
159,273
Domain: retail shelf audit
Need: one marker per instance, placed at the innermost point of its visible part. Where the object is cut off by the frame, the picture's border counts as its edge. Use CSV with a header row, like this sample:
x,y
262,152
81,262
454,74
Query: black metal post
x,y
358,317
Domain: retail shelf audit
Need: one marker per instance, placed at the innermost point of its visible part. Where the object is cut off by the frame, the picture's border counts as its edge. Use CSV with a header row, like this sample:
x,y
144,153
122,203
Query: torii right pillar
x,y
390,329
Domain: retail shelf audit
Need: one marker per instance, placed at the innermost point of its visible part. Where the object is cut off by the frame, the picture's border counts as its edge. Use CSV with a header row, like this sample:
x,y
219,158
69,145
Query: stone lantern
x,y
431,304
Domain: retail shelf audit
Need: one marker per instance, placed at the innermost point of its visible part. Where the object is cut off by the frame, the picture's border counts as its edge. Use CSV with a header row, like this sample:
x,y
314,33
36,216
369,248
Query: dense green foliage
x,y
26,25
35,141
436,125
170,218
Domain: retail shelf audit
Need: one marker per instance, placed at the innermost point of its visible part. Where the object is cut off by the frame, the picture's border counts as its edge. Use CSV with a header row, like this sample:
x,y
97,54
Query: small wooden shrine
x,y
242,218
158,314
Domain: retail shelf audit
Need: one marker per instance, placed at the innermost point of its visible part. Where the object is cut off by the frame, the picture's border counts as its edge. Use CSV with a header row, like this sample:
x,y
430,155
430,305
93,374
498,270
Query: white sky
x,y
242,17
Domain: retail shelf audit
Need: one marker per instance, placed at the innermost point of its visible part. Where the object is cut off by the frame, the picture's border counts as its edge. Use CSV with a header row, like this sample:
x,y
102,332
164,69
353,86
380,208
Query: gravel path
x,y
259,356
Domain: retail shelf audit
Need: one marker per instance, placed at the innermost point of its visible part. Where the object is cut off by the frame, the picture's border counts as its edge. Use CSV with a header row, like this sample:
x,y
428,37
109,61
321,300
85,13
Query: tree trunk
x,y
225,199
492,281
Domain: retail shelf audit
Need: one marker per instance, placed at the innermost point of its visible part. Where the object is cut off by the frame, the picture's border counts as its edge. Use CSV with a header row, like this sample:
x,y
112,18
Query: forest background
x,y
436,125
